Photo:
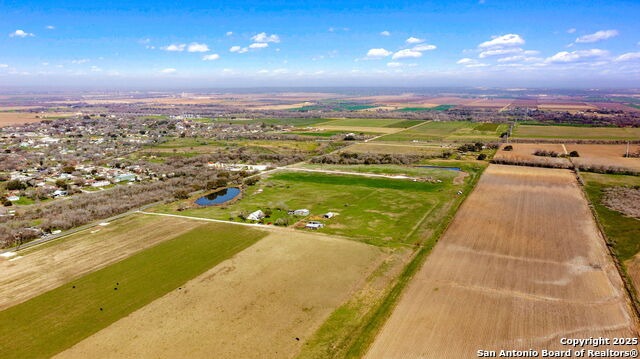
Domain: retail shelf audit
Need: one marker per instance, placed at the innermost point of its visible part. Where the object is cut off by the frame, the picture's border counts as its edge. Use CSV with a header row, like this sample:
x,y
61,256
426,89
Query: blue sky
x,y
245,43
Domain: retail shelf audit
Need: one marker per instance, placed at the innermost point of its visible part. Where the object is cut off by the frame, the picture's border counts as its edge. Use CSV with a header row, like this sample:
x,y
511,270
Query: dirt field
x,y
522,153
42,269
521,266
571,132
254,305
605,155
16,118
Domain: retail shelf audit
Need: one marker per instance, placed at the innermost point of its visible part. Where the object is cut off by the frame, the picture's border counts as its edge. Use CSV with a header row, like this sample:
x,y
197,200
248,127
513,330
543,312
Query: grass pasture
x,y
381,211
449,131
369,122
576,132
435,108
295,122
395,148
62,317
264,303
50,265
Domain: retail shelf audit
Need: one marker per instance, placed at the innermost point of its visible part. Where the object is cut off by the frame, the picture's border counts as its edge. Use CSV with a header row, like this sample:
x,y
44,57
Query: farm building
x,y
330,215
256,216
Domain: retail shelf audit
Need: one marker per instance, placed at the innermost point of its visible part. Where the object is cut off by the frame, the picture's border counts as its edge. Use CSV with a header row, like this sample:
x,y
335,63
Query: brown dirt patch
x,y
521,266
605,155
623,199
522,153
254,305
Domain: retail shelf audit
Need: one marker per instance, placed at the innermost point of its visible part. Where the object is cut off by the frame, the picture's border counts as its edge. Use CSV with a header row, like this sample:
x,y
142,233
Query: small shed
x,y
330,215
256,216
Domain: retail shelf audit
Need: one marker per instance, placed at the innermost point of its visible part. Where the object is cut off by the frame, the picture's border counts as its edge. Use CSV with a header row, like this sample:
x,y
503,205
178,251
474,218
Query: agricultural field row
x,y
449,131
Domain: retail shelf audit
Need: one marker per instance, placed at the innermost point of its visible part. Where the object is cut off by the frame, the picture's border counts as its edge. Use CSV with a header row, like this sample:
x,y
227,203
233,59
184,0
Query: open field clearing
x,y
449,131
60,318
359,129
16,118
622,230
570,107
521,266
400,149
51,265
266,302
578,133
522,153
370,122
297,122
382,211
392,170
192,147
591,156
605,155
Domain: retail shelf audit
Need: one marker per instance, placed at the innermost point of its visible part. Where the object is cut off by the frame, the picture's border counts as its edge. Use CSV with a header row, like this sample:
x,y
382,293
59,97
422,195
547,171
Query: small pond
x,y
218,197
441,168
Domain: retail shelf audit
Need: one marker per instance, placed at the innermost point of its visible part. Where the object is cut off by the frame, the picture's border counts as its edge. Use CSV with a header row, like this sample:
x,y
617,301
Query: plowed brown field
x,y
521,266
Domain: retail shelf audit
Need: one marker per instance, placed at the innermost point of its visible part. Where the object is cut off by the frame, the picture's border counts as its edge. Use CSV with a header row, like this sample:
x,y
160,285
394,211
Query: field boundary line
x,y
209,219
631,297
377,317
402,130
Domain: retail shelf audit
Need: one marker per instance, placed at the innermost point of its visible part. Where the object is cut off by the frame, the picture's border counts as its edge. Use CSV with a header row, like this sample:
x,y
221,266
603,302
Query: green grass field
x,y
369,122
379,211
388,170
576,132
328,133
622,230
451,130
296,122
56,320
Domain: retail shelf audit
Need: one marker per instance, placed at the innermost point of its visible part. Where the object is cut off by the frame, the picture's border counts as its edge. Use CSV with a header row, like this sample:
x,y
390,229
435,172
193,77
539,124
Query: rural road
x,y
402,129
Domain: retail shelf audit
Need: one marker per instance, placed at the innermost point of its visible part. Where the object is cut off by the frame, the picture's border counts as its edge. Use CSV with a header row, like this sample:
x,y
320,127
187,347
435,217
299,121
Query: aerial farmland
x,y
317,225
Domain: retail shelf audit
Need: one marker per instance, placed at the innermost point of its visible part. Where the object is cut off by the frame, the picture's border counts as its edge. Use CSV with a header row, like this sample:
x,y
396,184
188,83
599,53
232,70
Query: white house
x,y
100,184
256,216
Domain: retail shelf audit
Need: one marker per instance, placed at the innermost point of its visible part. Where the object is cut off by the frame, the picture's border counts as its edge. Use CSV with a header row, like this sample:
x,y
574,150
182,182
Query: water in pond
x,y
218,197
441,168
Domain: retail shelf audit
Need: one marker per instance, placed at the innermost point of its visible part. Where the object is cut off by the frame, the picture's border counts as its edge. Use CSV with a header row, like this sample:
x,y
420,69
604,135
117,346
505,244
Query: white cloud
x,y
80,61
504,40
406,54
238,49
258,45
280,71
498,52
597,36
211,57
520,58
196,47
478,64
263,37
576,56
629,56
465,61
414,40
378,53
174,47
571,31
21,33
385,33
263,71
394,64
49,27
96,69
3,66
169,70
229,33
424,47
